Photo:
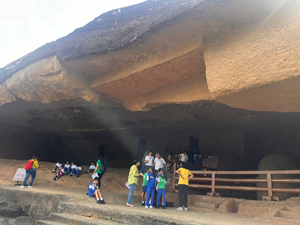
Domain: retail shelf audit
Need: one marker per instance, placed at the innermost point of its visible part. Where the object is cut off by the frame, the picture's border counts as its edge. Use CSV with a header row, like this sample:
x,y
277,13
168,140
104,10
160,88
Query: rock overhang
x,y
166,52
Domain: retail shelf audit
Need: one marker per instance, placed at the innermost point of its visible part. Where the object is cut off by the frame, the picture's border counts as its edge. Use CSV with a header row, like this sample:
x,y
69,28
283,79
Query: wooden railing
x,y
211,177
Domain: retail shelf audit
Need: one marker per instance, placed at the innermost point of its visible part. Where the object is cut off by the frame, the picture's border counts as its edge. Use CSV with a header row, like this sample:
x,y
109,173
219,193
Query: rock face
x,y
162,67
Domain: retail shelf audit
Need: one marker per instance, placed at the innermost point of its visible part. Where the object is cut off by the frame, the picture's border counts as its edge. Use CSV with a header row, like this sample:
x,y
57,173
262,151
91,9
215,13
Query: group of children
x,y
152,185
67,168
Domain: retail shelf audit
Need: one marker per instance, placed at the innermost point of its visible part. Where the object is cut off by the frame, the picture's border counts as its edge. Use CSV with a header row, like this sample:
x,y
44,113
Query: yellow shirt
x,y
185,173
35,164
134,175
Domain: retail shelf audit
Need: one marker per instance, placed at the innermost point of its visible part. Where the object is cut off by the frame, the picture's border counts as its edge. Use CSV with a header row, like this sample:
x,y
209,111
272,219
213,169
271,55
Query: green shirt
x,y
133,177
100,165
145,179
161,183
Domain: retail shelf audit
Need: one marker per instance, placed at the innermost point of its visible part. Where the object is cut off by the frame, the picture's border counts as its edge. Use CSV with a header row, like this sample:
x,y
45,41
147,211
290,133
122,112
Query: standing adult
x,y
183,185
197,157
133,180
159,163
34,164
149,160
101,164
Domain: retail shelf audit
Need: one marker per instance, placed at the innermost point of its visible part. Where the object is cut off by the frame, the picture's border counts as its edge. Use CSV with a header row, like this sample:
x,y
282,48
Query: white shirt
x,y
73,167
58,165
92,167
67,166
62,170
184,158
159,163
79,167
150,160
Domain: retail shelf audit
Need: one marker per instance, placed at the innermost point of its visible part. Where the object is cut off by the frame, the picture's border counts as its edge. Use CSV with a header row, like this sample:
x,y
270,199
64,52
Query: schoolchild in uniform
x,y
72,169
60,173
161,188
150,189
145,183
78,169
92,167
67,166
56,166
93,191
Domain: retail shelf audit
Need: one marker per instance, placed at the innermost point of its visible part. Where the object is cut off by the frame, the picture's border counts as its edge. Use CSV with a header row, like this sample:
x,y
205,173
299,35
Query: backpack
x,y
29,164
103,167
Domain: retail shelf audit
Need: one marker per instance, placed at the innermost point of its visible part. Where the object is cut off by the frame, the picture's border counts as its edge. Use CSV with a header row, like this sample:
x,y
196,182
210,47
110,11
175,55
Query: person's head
x,y
149,170
161,171
95,181
61,166
180,152
184,165
150,153
78,164
67,162
158,156
73,163
35,157
136,162
186,152
93,163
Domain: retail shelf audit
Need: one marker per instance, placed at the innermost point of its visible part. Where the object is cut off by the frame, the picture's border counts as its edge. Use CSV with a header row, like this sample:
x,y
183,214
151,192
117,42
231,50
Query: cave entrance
x,y
101,150
193,147
141,148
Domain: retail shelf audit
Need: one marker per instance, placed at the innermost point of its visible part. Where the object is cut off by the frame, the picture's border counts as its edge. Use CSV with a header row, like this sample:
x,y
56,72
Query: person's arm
x,y
164,162
146,161
154,162
96,168
178,172
136,172
191,176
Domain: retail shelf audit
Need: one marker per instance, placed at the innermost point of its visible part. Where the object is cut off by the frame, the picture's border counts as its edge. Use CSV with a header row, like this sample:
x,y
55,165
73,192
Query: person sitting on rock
x,y
94,191
78,169
56,166
92,168
60,173
72,169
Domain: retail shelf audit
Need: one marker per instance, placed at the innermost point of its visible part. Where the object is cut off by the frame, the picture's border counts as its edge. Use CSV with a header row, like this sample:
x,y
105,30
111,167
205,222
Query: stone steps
x,y
207,205
288,214
199,209
64,218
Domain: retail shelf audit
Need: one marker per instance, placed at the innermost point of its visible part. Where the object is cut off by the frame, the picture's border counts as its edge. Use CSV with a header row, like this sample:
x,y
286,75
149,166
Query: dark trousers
x,y
99,179
183,193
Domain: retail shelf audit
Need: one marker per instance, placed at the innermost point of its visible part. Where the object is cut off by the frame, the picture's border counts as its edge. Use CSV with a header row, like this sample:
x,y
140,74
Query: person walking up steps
x,y
30,167
133,180
183,185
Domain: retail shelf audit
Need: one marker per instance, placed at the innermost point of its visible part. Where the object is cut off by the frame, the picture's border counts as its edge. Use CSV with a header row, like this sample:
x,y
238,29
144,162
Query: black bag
x,y
103,167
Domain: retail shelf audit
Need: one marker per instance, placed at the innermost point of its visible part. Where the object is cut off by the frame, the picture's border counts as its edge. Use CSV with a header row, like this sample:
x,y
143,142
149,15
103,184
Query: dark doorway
x,y
141,148
102,150
194,146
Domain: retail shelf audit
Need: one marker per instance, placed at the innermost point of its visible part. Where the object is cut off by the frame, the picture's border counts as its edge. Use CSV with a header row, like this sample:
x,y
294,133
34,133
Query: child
x,y
56,166
72,169
92,168
78,169
67,166
161,188
150,189
93,191
60,173
144,193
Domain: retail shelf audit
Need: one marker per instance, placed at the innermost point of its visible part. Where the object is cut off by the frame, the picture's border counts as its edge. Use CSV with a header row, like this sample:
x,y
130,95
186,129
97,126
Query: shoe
x,y
180,209
98,202
185,209
54,178
102,202
77,175
30,186
86,171
22,186
71,175
151,207
146,207
143,203
157,207
163,207
129,205
53,171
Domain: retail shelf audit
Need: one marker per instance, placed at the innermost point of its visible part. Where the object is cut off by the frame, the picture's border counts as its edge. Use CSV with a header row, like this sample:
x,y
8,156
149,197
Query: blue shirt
x,y
151,181
91,190
197,156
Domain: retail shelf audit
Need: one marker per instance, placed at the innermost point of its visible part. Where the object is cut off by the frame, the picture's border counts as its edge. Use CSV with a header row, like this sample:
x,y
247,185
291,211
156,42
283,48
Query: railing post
x,y
174,173
213,186
270,196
